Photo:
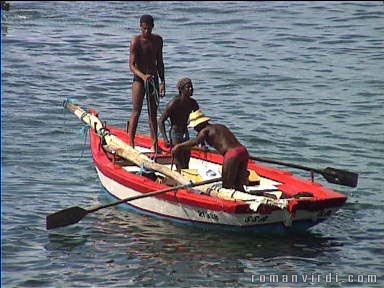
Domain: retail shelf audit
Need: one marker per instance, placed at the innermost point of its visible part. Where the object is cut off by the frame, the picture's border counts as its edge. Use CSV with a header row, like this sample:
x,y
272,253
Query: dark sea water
x,y
301,82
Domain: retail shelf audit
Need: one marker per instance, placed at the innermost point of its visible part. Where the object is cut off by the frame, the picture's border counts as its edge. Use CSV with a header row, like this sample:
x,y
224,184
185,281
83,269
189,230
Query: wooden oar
x,y
332,175
75,214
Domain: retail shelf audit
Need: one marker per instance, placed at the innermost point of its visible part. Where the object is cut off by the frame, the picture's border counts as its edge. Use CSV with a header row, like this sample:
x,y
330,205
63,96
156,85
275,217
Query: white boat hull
x,y
280,219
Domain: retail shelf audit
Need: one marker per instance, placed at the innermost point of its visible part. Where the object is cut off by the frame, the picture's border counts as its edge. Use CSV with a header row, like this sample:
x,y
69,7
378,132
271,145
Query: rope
x,y
172,161
83,115
155,92
155,95
142,169
84,130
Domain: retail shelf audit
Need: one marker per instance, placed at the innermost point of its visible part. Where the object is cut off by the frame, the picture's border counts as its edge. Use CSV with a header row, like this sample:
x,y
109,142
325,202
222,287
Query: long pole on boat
x,y
75,214
121,148
332,175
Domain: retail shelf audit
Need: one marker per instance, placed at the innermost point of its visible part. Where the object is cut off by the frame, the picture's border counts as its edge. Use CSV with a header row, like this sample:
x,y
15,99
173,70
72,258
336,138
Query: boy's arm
x,y
160,68
193,142
162,119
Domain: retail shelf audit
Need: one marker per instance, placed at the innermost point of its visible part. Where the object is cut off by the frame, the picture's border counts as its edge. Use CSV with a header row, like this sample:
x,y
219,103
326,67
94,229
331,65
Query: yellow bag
x,y
192,174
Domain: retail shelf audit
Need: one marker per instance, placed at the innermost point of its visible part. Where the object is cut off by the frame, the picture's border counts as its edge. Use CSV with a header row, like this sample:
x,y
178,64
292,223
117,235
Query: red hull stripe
x,y
323,198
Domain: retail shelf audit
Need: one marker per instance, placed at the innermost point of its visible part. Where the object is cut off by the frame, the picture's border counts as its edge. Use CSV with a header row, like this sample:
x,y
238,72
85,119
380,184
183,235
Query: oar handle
x,y
189,185
266,160
332,175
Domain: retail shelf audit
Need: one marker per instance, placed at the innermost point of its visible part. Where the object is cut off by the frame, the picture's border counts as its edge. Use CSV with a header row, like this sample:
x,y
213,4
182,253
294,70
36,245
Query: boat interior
x,y
199,170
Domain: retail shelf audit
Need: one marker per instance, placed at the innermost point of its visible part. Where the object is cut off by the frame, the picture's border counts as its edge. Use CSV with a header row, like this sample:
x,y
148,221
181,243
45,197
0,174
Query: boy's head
x,y
147,19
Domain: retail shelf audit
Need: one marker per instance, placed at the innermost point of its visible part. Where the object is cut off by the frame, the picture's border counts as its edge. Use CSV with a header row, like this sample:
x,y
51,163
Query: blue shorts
x,y
178,137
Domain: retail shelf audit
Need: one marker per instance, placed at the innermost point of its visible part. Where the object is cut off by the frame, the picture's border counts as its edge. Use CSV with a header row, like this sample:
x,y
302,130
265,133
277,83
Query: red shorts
x,y
239,153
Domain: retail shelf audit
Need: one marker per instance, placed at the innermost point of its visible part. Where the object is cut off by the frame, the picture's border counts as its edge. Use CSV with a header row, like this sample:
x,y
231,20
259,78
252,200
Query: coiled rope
x,y
152,91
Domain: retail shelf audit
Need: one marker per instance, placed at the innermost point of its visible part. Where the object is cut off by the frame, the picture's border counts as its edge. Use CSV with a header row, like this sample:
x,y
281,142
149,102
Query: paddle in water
x,y
73,215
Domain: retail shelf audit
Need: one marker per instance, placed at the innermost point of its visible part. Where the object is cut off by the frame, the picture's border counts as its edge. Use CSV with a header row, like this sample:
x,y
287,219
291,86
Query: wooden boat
x,y
274,200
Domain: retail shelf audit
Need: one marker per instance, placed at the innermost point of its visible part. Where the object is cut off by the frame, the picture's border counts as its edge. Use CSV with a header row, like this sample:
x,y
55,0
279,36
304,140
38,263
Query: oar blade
x,y
340,177
65,217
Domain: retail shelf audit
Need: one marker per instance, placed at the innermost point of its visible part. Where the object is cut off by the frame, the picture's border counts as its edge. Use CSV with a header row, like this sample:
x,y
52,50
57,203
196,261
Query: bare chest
x,y
148,48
